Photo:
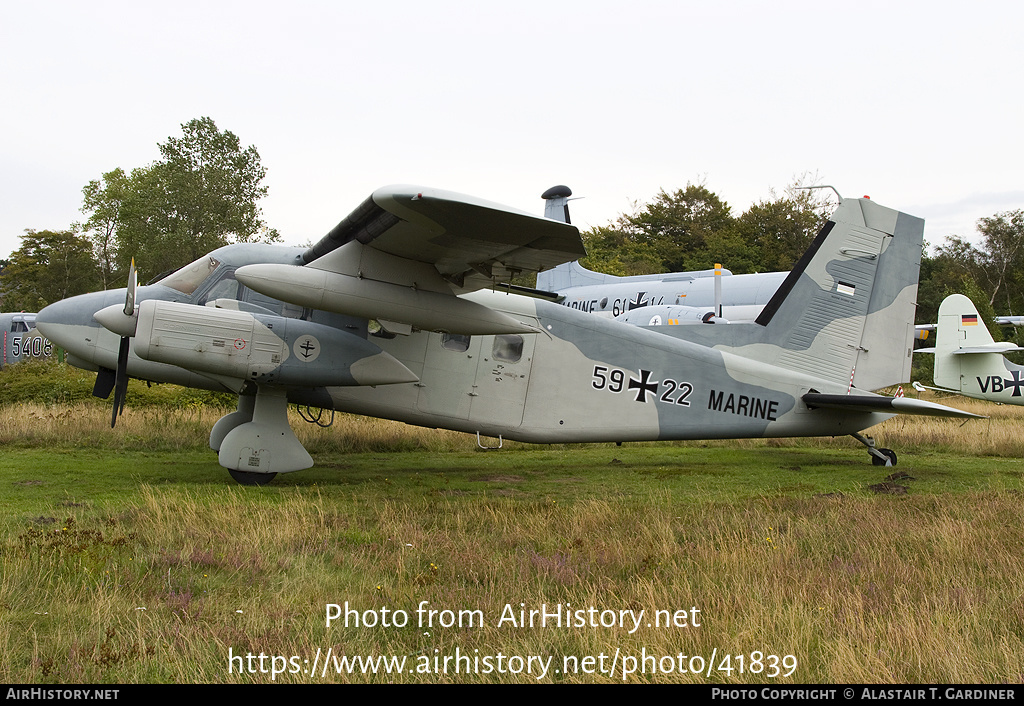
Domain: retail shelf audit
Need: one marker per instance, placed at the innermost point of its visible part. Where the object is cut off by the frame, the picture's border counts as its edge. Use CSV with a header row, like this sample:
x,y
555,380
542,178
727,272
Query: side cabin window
x,y
455,342
225,286
19,327
508,348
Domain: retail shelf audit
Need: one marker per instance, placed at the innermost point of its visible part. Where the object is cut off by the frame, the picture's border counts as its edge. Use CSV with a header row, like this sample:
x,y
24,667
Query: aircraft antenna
x,y
824,186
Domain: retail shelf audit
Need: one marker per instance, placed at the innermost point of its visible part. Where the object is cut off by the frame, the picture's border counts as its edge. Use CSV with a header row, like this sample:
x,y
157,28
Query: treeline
x,y
205,189
201,194
693,228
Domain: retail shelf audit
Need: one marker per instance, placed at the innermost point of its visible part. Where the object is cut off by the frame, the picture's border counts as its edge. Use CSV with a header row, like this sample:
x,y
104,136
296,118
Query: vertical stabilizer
x,y
846,311
556,207
556,203
960,329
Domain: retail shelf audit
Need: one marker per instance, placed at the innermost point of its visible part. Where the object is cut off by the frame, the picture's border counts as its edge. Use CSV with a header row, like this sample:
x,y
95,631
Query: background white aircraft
x,y
968,361
714,295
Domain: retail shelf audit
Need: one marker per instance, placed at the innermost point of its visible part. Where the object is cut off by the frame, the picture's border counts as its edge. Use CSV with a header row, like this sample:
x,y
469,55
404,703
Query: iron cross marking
x,y
638,302
643,385
1015,383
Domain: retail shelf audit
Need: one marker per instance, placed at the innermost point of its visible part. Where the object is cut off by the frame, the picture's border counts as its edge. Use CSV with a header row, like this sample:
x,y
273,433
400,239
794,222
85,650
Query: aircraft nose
x,y
69,322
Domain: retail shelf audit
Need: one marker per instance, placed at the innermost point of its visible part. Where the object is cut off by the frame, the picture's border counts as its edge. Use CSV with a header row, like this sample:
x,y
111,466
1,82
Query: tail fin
x,y
846,311
967,359
568,274
556,203
850,311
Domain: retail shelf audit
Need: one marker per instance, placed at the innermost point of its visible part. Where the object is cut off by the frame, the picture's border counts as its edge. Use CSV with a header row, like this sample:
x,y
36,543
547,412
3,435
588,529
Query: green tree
x,y
49,266
202,194
689,229
942,274
614,252
782,229
995,264
102,201
1003,260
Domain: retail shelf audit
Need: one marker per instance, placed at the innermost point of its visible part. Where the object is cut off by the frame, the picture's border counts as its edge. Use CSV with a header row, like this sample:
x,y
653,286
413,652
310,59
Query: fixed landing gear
x,y
255,442
889,460
879,457
247,478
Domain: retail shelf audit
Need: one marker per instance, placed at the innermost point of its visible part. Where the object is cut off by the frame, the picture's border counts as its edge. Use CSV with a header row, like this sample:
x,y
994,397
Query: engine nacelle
x,y
263,348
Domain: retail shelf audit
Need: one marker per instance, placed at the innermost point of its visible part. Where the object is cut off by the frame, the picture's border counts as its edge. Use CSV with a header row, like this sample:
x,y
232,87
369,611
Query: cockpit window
x,y
227,288
191,276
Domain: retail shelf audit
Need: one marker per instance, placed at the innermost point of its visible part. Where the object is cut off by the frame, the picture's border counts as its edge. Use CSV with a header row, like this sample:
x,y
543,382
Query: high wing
x,y
472,243
407,251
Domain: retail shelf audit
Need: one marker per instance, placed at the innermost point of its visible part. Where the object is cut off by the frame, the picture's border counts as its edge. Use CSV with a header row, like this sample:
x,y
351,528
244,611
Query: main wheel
x,y
247,478
875,461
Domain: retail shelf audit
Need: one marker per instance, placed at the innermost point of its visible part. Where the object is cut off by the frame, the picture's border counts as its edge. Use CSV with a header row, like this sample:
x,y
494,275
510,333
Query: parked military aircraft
x,y
20,339
968,361
278,325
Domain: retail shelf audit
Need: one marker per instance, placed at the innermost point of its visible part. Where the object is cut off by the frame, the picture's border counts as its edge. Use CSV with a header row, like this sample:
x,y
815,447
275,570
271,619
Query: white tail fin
x,y
968,360
556,203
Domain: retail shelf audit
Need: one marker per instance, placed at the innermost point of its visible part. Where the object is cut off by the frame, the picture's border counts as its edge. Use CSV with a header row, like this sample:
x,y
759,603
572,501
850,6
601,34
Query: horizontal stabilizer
x,y
876,403
998,347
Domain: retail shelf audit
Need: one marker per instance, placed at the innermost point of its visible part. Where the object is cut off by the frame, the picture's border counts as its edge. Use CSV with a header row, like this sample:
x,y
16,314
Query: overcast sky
x,y
917,104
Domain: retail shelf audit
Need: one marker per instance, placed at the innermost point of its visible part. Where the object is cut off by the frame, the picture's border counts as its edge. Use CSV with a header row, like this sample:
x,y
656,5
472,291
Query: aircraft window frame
x,y
189,278
455,342
218,289
508,347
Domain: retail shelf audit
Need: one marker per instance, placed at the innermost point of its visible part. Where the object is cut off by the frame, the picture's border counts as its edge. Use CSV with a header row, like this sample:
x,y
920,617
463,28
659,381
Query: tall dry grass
x,y
88,424
923,590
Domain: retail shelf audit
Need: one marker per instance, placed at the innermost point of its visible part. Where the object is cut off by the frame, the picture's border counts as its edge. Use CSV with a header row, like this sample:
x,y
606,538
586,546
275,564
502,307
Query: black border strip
x,y
775,303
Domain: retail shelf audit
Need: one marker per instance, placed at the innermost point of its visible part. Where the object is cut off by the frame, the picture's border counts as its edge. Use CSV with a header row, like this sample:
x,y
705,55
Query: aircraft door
x,y
449,372
502,379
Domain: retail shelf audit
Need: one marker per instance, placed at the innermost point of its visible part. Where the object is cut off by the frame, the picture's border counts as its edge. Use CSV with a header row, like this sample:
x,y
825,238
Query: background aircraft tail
x,y
967,359
846,311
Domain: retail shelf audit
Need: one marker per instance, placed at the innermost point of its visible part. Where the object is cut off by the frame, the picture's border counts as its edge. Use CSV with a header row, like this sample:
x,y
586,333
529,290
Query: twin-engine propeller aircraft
x,y
278,325
968,361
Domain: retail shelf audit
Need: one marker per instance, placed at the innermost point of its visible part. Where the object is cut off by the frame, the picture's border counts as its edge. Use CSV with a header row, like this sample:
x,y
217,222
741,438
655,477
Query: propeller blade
x,y
120,380
133,282
121,375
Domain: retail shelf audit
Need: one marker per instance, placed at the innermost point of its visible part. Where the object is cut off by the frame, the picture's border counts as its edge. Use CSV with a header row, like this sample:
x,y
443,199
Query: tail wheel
x,y
889,453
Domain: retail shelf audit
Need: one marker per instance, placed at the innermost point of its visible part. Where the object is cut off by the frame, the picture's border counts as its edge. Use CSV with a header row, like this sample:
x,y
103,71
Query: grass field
x,y
130,556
